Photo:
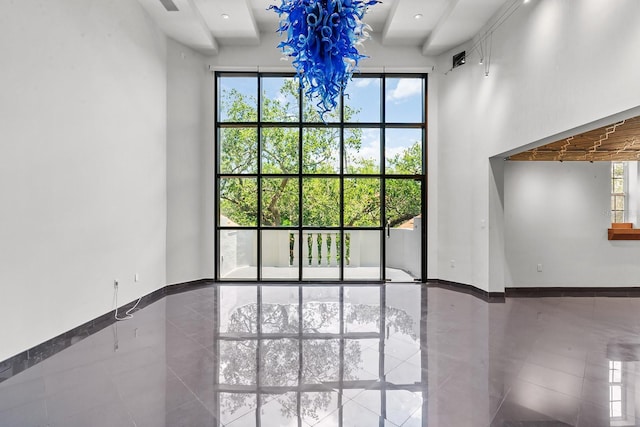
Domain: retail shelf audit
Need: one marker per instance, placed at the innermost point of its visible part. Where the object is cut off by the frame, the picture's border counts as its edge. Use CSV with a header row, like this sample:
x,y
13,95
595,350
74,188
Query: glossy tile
x,y
325,355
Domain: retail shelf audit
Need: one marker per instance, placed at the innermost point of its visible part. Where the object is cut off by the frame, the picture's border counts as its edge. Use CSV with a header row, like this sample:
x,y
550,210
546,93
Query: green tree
x,y
320,152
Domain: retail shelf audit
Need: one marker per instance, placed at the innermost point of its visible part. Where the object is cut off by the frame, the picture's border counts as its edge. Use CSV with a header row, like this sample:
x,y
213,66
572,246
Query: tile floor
x,y
313,355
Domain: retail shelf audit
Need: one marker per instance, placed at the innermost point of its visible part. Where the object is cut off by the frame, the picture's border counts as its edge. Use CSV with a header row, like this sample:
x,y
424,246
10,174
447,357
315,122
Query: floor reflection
x,y
299,354
341,355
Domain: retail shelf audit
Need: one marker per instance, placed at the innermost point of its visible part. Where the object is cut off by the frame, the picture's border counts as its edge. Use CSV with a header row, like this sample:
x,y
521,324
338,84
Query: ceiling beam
x,y
185,25
462,21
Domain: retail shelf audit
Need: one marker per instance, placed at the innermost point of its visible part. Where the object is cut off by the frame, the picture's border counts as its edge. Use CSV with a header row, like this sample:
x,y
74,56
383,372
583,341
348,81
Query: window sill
x,y
623,231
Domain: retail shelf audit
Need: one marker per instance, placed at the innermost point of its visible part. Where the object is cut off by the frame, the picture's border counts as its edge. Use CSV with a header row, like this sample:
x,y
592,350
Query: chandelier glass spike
x,y
322,39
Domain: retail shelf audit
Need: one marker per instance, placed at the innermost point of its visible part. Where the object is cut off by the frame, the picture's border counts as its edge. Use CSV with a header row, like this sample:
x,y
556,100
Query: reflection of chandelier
x,y
322,36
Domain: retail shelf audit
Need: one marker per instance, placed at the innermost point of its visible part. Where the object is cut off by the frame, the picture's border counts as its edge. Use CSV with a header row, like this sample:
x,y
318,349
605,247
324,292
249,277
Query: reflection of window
x,y
618,173
615,390
300,353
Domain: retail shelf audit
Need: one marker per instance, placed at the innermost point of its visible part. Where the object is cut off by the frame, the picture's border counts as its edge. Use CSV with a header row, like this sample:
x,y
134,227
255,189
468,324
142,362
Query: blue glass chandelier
x,y
322,39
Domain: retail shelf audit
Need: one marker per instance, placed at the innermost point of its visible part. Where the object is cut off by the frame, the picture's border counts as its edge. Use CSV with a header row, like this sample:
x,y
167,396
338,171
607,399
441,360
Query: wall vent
x,y
459,59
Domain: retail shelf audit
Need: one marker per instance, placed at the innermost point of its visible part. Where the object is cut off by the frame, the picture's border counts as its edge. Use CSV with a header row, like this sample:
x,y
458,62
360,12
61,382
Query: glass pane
x,y
320,254
280,309
279,254
238,254
619,203
237,99
238,202
403,151
403,203
278,362
310,113
362,255
321,150
362,202
618,186
362,148
404,233
362,100
618,170
619,216
280,202
613,203
238,310
404,100
321,310
280,150
238,151
321,202
279,99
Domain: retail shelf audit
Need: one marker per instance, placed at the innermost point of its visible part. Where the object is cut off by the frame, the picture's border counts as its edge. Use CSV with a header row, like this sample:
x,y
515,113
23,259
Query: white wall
x,y
189,180
557,215
82,163
555,66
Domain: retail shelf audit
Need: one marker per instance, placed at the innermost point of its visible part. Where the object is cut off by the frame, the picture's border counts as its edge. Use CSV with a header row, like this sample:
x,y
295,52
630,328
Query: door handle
x,y
388,228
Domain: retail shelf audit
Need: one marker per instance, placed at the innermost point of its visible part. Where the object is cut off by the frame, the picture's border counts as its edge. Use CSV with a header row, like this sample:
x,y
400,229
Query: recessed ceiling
x,y
618,141
444,24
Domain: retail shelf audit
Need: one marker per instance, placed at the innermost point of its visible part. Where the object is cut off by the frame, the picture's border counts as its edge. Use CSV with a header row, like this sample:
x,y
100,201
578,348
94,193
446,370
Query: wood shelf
x,y
623,231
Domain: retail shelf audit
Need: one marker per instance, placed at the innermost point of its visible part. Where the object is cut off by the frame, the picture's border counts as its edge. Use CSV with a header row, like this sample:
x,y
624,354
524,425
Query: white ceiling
x,y
444,23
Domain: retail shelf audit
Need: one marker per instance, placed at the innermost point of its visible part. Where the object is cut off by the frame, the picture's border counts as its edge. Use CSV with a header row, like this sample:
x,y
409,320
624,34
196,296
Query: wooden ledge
x,y
623,231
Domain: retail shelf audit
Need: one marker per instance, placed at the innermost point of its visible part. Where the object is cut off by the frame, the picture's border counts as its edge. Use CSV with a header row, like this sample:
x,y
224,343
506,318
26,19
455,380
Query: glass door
x,y
403,229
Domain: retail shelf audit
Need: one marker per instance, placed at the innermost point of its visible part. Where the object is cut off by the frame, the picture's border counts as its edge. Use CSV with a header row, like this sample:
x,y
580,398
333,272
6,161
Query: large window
x,y
299,198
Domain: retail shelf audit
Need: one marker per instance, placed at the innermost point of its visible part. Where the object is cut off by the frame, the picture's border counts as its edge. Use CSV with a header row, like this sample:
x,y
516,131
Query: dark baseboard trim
x,y
467,289
21,361
617,292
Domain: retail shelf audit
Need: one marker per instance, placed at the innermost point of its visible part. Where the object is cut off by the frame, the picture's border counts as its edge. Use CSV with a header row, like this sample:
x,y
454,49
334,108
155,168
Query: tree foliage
x,y
320,151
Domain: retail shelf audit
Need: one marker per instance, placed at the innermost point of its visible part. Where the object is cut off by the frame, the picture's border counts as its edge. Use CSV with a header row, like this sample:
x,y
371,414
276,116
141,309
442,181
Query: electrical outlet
x,y
136,277
452,263
115,283
539,268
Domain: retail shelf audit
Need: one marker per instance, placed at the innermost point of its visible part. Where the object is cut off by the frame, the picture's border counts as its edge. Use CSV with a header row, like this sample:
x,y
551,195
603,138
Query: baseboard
x,y
541,292
467,289
536,292
26,359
